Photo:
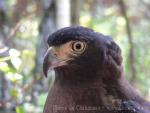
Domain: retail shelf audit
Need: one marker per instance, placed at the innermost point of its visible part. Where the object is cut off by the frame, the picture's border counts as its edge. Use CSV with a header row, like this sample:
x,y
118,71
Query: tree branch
x,y
130,38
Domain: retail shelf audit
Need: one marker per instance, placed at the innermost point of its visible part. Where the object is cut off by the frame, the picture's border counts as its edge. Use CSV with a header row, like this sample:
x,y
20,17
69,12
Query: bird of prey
x,y
89,75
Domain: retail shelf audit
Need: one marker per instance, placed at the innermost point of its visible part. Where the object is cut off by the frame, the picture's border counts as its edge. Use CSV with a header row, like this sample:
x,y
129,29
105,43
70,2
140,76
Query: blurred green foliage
x,y
20,109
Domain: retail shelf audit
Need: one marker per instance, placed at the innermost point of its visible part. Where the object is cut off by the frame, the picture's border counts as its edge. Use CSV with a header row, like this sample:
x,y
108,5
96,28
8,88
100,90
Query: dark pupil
x,y
78,46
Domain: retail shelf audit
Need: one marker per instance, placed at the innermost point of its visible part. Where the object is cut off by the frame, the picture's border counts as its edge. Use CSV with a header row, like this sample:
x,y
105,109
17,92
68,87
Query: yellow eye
x,y
78,47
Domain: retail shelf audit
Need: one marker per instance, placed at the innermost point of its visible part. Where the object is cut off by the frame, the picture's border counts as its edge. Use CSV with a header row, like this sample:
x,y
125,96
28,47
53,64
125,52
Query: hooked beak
x,y
51,61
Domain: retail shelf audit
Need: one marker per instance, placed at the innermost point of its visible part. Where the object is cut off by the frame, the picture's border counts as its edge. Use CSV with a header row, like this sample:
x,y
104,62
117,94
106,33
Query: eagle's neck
x,y
90,92
109,87
75,77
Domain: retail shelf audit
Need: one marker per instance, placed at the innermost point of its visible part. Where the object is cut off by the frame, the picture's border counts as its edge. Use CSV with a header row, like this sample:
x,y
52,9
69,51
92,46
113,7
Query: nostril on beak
x,y
55,54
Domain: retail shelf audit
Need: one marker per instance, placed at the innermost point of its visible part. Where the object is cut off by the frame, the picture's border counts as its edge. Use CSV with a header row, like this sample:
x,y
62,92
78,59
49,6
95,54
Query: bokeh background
x,y
26,24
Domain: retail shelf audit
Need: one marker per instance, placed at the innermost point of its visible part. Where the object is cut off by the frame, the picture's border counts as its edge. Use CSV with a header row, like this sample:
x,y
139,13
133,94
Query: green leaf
x,y
4,66
41,99
20,109
5,59
14,93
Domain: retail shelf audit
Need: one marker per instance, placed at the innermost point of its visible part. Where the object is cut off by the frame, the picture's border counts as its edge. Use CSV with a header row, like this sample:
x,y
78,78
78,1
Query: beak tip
x,y
46,64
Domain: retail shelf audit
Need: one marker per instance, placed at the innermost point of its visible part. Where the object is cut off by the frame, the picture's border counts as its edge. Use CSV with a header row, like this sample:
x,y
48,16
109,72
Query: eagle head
x,y
82,50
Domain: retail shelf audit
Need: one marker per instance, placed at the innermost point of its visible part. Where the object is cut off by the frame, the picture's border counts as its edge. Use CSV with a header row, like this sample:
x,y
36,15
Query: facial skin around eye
x,y
69,50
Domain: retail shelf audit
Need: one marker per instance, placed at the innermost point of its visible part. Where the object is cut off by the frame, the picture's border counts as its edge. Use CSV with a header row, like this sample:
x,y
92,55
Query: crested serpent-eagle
x,y
88,75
